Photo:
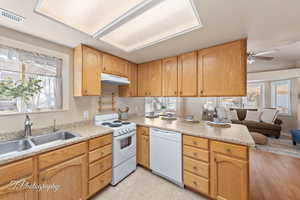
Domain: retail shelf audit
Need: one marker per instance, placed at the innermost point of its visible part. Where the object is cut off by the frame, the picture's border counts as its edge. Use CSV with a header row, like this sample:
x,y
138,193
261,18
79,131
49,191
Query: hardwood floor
x,y
273,176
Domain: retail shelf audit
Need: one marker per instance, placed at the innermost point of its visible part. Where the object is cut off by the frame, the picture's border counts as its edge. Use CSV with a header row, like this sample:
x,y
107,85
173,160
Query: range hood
x,y
113,79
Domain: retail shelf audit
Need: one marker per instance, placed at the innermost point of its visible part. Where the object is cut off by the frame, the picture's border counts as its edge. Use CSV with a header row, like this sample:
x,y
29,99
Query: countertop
x,y
86,131
237,134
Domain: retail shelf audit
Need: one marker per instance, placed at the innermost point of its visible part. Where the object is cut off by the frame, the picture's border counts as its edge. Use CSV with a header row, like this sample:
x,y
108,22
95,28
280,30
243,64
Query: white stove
x,y
124,145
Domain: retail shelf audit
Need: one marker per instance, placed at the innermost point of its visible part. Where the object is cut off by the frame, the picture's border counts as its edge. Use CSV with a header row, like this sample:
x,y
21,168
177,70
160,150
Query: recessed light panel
x,y
165,20
88,16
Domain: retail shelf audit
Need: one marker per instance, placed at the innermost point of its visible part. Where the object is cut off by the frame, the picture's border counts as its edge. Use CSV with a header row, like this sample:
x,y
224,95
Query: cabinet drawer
x,y
100,182
195,153
100,153
196,167
100,142
100,166
60,155
15,170
196,182
195,142
143,130
230,149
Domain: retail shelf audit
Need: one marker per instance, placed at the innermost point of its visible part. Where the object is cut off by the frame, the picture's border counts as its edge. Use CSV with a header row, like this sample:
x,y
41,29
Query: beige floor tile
x,y
143,185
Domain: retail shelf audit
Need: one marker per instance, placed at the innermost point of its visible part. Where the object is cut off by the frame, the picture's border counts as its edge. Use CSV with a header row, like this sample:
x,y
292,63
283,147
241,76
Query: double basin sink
x,y
18,146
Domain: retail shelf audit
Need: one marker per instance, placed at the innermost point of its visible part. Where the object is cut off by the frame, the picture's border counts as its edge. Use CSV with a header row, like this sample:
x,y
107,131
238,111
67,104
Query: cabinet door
x,y
109,64
70,175
143,146
229,178
222,70
188,74
170,77
92,64
15,192
143,80
122,67
131,89
154,81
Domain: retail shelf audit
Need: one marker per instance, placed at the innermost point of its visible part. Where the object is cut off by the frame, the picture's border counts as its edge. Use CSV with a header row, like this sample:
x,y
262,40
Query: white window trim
x,y
65,70
273,98
262,94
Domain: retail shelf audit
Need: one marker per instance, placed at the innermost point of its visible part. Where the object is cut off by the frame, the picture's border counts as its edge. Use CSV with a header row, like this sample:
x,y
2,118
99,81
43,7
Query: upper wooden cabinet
x,y
131,89
187,74
114,65
143,80
222,70
87,71
170,77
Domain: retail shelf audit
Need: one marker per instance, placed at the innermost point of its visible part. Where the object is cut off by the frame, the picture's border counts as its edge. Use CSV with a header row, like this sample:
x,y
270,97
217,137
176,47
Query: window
x,y
255,96
280,93
161,104
19,64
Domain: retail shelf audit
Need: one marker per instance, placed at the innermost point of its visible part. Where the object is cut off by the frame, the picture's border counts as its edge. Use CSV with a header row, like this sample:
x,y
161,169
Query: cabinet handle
x,y
195,154
195,143
194,182
228,150
195,168
175,92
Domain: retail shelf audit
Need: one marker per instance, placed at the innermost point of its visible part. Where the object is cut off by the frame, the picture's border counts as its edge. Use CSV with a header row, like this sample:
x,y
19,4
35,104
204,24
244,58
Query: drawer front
x,y
195,153
100,153
100,166
196,167
16,170
60,155
100,182
195,142
230,149
196,182
100,142
143,130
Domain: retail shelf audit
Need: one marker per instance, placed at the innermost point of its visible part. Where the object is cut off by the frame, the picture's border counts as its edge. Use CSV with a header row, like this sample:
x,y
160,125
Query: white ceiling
x,y
266,23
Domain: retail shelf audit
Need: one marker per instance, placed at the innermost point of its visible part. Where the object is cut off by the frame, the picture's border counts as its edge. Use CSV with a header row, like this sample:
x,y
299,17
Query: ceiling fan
x,y
253,56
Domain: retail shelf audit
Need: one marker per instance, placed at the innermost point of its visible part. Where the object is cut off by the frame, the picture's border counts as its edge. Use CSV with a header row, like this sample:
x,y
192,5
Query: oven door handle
x,y
125,136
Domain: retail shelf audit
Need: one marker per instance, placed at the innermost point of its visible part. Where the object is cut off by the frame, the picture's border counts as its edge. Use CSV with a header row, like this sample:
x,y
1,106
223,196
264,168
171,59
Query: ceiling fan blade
x,y
266,52
264,58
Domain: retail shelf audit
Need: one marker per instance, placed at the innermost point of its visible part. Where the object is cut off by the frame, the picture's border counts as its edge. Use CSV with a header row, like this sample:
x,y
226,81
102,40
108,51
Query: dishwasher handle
x,y
155,132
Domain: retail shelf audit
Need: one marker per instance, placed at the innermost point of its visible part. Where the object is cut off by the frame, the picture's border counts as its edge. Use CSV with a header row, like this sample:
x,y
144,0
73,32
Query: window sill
x,y
9,113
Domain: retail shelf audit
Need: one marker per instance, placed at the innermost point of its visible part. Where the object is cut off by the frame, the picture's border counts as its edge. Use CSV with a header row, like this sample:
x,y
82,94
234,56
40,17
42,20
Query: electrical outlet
x,y
86,115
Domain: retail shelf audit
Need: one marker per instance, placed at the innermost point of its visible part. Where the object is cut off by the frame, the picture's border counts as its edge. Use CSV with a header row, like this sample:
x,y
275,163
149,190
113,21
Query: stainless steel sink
x,y
52,137
14,146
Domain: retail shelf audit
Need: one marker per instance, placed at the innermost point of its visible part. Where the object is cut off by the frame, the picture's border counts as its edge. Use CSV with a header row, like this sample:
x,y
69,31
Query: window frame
x,y
262,95
65,71
274,95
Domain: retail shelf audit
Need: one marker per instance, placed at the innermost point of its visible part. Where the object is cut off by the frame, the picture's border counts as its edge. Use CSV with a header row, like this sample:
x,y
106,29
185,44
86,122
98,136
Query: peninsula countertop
x,y
237,134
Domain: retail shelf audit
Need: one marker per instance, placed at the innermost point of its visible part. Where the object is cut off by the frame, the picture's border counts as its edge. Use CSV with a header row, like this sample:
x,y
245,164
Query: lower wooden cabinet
x,y
70,176
17,171
229,175
100,182
197,183
143,157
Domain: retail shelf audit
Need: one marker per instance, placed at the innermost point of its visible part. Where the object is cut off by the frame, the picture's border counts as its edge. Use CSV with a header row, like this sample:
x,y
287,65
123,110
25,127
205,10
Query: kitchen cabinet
x,y
114,65
87,71
17,171
143,157
74,188
131,89
222,70
170,77
100,163
229,172
196,164
150,79
187,74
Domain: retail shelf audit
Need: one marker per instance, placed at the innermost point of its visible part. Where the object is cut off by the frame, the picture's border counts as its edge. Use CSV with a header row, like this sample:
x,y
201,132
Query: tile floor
x,y
143,185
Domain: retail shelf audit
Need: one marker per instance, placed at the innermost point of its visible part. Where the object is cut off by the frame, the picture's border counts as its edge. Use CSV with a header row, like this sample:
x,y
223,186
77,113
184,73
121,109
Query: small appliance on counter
x,y
123,113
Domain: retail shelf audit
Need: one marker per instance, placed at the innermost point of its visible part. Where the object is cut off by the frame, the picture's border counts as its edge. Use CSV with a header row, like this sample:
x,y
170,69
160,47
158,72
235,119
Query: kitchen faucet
x,y
28,125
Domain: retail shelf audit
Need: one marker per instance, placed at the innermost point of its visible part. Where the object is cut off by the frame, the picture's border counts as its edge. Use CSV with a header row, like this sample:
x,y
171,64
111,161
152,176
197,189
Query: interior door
x,y
170,77
92,64
155,78
229,178
188,74
70,176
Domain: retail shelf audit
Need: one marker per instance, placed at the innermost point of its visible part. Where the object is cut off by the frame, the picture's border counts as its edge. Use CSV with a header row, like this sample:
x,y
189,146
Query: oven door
x,y
124,147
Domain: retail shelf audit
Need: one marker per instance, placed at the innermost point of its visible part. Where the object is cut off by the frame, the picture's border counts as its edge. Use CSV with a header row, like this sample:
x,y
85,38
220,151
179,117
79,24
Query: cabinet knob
x,y
195,168
195,154
194,182
195,143
228,150
175,92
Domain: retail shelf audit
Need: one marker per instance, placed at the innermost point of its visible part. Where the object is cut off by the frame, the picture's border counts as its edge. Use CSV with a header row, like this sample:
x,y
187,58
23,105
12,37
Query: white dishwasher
x,y
166,154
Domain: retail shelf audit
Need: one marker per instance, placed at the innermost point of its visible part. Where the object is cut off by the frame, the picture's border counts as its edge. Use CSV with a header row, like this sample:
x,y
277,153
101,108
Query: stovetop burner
x,y
117,121
106,124
115,125
125,123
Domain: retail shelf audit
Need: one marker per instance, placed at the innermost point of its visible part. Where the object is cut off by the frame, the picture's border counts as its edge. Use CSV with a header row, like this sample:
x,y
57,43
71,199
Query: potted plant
x,y
21,90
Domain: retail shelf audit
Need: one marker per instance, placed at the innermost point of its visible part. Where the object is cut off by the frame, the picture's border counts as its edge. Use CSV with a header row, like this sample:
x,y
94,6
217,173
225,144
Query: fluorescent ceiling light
x,y
165,20
125,24
88,16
